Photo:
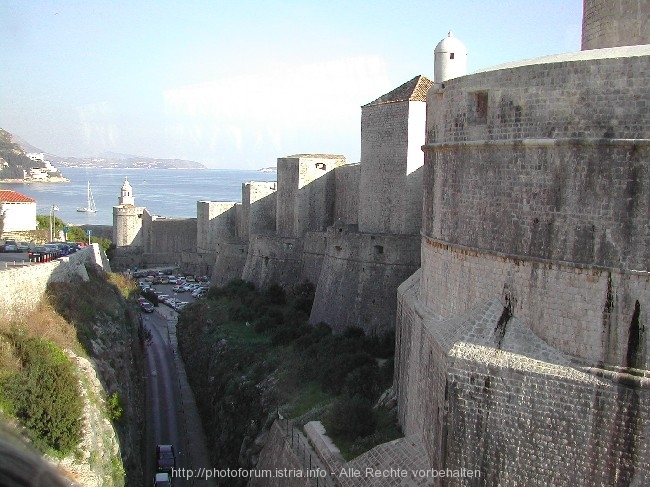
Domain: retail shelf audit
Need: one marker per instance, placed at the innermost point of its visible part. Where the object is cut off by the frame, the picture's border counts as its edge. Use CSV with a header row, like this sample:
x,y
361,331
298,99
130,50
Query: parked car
x,y
179,289
147,307
10,247
165,458
54,250
23,246
39,253
162,479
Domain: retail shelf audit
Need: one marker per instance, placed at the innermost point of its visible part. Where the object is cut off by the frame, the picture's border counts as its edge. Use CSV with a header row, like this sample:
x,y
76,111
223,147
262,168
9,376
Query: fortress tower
x,y
522,341
607,23
127,219
392,134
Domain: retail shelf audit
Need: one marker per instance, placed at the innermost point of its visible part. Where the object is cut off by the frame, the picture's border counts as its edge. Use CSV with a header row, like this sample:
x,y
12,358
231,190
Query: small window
x,y
451,55
338,248
321,165
481,107
379,249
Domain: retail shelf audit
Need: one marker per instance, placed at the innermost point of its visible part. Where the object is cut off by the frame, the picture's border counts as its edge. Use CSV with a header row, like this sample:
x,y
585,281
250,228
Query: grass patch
x,y
387,429
306,399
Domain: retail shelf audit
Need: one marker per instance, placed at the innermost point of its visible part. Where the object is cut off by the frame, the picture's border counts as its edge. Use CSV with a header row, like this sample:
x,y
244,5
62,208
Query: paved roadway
x,y
172,417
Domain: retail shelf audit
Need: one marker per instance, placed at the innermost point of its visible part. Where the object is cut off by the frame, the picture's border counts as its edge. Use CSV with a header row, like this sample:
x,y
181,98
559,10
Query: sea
x,y
165,192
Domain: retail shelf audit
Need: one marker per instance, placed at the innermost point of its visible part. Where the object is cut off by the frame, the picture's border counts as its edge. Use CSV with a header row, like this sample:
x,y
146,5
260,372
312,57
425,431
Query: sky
x,y
237,84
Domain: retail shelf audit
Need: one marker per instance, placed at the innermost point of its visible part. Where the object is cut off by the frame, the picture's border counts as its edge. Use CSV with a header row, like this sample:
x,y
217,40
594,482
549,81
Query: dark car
x,y
165,458
54,250
39,253
146,307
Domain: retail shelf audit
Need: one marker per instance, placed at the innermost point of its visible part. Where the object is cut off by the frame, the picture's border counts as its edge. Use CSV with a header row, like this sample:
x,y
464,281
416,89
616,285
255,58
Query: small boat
x,y
90,208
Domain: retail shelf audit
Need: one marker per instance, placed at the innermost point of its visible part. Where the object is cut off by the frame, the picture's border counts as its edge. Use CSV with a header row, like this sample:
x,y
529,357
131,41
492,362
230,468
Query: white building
x,y
18,211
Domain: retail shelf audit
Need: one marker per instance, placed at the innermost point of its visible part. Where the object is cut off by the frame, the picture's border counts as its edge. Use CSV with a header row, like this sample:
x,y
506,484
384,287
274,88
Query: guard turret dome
x,y
450,59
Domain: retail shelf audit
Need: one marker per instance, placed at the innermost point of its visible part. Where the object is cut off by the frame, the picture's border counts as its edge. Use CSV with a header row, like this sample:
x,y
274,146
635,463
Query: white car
x,y
179,289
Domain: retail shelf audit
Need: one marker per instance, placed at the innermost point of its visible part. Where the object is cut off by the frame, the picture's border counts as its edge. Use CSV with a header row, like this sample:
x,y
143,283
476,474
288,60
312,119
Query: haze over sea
x,y
164,192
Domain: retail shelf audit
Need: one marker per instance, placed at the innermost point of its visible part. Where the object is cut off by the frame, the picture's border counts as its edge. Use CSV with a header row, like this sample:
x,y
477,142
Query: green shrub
x,y
351,418
270,320
285,334
114,407
364,381
302,296
45,394
334,371
276,294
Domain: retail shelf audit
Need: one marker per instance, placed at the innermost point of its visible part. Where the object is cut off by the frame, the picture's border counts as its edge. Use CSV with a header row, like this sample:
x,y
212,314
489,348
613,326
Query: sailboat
x,y
90,208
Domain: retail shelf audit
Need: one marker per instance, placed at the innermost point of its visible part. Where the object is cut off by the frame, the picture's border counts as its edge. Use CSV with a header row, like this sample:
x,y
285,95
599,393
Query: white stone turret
x,y
127,219
126,194
449,59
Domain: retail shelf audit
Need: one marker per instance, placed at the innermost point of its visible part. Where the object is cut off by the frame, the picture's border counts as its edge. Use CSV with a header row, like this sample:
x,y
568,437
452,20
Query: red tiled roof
x,y
8,196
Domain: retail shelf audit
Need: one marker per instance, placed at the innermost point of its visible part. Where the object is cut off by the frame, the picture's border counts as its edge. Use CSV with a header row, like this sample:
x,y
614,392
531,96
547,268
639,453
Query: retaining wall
x,y
22,287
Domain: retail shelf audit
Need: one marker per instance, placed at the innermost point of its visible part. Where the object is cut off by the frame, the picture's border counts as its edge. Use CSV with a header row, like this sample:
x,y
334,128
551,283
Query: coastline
x,y
27,181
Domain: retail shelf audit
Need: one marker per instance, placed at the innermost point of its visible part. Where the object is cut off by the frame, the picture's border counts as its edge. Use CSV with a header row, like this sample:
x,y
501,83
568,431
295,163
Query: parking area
x,y
174,291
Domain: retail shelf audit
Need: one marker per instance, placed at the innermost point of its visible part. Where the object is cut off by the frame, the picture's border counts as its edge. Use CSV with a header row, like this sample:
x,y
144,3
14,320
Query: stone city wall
x,y
216,221
272,259
486,393
258,208
589,94
359,276
570,200
313,252
346,204
229,262
524,422
306,193
127,226
585,311
170,235
384,147
277,453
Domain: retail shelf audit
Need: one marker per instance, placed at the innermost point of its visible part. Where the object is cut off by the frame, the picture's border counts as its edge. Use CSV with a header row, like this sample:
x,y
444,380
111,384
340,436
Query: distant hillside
x,y
124,161
15,148
13,160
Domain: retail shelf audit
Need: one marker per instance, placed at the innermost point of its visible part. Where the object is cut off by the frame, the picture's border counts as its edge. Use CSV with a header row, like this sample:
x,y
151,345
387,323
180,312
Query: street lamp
x,y
52,210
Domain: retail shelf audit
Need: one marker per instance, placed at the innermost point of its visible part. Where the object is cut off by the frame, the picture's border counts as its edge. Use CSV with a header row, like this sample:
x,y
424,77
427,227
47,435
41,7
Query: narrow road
x,y
172,417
